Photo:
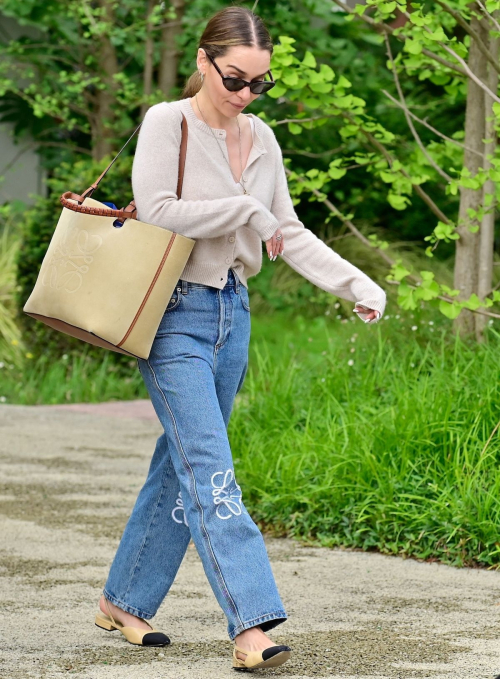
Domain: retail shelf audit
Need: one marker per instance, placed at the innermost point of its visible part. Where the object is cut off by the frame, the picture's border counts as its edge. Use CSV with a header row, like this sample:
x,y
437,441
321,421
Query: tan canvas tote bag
x,y
106,284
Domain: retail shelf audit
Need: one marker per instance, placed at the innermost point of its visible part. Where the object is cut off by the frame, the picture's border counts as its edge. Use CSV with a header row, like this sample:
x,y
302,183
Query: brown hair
x,y
230,26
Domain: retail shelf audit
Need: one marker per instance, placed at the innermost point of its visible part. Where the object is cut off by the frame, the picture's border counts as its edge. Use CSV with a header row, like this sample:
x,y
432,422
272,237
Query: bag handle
x,y
130,212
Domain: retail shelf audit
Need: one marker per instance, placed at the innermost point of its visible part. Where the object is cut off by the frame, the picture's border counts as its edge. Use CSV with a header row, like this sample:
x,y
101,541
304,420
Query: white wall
x,y
20,173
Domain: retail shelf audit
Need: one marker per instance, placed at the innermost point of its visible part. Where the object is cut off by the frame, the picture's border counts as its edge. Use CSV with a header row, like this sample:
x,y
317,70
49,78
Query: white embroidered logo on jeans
x,y
228,497
179,507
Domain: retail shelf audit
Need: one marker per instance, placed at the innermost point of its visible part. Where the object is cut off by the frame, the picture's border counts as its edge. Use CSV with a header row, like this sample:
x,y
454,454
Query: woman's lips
x,y
236,105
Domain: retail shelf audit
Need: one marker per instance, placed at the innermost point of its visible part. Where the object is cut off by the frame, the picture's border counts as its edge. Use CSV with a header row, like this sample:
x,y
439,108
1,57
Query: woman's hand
x,y
275,245
368,314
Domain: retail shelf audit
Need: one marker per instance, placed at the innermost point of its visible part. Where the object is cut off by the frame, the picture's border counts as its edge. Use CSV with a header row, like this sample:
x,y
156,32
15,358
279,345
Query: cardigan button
x,y
228,260
231,239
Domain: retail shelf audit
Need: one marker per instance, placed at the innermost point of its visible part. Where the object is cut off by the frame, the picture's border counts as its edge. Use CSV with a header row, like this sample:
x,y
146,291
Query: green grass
x,y
369,436
69,379
391,453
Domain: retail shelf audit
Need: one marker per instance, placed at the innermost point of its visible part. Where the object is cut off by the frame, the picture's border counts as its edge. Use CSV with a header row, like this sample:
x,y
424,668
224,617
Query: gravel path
x,y
69,478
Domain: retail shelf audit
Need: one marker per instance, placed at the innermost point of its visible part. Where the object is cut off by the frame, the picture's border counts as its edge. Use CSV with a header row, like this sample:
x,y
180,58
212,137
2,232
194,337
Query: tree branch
x,y
385,27
408,117
464,65
381,253
426,124
418,189
468,29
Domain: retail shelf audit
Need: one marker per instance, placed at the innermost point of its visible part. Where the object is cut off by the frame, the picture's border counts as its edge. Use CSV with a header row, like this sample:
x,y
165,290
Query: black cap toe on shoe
x,y
274,650
155,639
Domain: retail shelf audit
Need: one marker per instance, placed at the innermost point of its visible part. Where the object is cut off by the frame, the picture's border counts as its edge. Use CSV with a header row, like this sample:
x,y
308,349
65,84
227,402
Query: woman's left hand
x,y
367,315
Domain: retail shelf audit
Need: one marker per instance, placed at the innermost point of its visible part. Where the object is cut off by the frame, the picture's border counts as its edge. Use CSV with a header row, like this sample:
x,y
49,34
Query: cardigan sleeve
x,y
313,259
154,184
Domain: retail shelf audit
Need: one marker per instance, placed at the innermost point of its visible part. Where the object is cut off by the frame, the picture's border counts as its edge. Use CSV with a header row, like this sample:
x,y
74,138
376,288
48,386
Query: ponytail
x,y
192,86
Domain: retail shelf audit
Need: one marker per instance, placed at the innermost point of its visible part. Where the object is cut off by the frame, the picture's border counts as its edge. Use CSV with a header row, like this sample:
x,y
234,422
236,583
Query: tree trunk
x,y
467,246
167,76
487,232
102,122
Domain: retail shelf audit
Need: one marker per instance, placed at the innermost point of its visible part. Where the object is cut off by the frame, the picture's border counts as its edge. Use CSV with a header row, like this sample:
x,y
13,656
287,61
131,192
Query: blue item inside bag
x,y
117,222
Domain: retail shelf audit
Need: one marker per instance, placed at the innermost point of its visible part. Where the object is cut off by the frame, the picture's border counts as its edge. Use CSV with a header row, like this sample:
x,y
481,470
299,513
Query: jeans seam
x,y
132,573
186,461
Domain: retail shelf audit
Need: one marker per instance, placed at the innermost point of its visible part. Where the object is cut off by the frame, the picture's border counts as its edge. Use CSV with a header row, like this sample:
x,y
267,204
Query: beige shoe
x,y
269,657
133,635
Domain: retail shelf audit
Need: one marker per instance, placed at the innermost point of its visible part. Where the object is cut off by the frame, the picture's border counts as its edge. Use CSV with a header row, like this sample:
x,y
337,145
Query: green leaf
x,y
327,72
449,310
291,78
294,128
277,91
343,82
399,272
398,202
309,60
412,46
336,172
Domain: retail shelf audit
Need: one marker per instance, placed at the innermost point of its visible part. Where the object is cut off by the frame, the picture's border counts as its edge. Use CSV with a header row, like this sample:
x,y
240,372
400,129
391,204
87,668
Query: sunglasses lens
x,y
260,88
233,84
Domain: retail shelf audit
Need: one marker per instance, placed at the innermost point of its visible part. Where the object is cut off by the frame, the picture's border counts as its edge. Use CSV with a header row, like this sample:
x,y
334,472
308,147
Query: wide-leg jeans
x,y
196,367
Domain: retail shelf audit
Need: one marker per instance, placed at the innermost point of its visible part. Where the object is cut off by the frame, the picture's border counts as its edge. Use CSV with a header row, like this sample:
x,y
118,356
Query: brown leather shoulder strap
x,y
68,198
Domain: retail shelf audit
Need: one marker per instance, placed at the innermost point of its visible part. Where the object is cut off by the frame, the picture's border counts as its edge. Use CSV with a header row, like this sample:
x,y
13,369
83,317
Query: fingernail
x,y
367,320
271,254
274,257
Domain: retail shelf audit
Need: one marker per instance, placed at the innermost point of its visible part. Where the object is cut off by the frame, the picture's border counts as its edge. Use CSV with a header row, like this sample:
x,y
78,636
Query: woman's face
x,y
249,63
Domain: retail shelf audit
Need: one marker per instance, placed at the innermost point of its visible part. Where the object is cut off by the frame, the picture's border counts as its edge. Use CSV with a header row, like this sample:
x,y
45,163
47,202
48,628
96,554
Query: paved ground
x,y
69,478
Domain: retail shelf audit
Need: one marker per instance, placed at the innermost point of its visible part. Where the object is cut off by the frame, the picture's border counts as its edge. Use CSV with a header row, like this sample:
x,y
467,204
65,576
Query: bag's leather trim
x,y
68,200
79,333
148,293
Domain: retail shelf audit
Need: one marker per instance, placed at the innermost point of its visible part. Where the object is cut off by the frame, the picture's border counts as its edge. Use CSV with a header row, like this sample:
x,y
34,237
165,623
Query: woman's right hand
x,y
275,246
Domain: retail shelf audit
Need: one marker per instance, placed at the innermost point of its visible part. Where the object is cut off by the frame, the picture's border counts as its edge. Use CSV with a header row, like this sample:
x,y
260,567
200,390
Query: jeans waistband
x,y
232,282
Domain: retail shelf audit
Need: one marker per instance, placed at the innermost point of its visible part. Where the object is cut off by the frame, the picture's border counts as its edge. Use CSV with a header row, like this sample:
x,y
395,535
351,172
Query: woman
x,y
234,196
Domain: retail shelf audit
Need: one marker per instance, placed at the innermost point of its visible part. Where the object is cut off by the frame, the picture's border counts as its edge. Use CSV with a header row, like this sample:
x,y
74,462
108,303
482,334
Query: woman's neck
x,y
211,116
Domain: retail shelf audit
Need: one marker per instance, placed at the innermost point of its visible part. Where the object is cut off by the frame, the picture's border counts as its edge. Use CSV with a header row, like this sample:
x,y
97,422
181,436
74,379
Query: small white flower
x,y
65,357
431,322
336,305
353,339
2,399
352,350
322,379
327,312
414,327
323,353
350,362
2,365
387,317
431,329
412,365
339,316
490,322
397,316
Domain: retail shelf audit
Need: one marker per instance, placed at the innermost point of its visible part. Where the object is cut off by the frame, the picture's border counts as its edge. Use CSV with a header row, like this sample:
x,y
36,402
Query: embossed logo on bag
x,y
71,259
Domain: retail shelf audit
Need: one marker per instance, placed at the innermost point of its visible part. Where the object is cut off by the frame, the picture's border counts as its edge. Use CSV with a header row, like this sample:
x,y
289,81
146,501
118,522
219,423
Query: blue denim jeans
x,y
196,367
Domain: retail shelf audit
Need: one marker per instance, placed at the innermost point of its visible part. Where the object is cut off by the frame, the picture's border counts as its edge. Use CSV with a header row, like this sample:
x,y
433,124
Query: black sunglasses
x,y
234,84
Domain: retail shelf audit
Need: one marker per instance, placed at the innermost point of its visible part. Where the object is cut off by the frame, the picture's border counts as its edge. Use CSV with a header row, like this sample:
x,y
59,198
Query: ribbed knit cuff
x,y
376,304
266,233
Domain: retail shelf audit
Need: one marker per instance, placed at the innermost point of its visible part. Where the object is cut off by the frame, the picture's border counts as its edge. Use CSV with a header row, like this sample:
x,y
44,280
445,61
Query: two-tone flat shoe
x,y
133,635
269,657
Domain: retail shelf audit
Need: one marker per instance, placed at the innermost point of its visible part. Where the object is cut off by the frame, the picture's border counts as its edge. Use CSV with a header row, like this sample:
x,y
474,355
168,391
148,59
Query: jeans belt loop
x,y
236,283
184,287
